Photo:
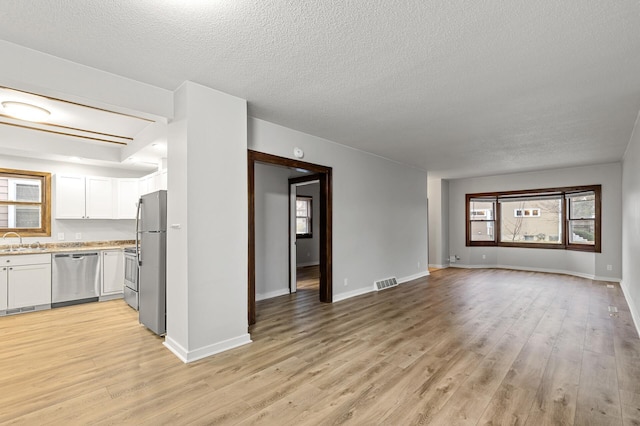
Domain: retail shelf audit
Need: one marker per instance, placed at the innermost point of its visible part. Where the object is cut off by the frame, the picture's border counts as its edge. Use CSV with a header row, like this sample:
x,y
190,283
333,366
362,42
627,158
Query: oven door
x,y
131,271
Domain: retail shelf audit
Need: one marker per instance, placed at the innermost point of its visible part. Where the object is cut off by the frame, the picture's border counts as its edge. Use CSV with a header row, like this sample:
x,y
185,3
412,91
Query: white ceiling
x,y
458,88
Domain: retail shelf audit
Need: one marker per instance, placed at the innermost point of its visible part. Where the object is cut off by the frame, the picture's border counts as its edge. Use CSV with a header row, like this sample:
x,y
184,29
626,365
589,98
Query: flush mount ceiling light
x,y
23,111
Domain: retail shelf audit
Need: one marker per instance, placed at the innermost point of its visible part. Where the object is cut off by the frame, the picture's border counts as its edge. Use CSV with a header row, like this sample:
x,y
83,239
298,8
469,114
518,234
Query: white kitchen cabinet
x,y
145,184
28,280
127,198
112,272
3,288
153,182
84,197
70,197
99,198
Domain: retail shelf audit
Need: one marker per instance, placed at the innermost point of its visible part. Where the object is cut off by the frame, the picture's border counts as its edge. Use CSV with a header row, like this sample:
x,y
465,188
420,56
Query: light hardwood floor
x,y
308,277
458,347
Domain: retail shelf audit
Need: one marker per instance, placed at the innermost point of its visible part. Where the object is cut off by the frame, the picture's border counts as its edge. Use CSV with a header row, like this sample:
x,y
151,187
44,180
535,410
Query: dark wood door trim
x,y
323,174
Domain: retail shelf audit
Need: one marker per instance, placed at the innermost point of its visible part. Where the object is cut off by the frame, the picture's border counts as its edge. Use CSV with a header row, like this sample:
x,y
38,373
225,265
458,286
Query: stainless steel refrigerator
x,y
151,235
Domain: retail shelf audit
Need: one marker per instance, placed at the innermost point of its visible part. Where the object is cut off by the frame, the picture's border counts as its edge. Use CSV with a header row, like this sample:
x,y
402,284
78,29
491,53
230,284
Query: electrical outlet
x,y
60,236
609,267
78,235
346,282
484,256
418,265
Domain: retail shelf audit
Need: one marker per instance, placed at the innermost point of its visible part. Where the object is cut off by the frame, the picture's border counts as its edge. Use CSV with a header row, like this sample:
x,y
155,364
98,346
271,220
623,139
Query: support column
x,y
207,223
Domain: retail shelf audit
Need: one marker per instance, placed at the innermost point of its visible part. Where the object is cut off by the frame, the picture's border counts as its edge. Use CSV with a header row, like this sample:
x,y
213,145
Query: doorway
x,y
324,176
304,230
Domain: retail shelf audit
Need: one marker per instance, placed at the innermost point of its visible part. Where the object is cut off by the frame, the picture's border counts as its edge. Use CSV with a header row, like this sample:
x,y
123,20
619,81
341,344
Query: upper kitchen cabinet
x,y
80,197
153,182
127,198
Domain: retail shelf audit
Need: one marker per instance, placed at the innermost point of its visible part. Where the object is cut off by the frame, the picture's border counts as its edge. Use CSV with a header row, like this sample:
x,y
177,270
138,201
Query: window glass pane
x,y
20,189
531,221
582,207
301,207
302,225
27,192
481,210
4,217
582,232
16,217
482,231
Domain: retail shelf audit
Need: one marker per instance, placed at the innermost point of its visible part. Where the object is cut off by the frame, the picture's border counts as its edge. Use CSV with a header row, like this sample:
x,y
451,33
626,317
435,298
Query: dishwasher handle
x,y
76,256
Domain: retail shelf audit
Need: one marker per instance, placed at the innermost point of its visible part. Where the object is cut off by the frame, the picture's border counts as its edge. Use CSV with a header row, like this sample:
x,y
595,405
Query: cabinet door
x,y
112,272
99,198
70,197
3,288
145,185
127,198
29,285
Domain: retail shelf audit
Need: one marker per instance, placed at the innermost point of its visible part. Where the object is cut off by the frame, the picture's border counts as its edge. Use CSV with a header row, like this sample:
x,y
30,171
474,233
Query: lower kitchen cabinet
x,y
4,279
25,280
112,272
29,285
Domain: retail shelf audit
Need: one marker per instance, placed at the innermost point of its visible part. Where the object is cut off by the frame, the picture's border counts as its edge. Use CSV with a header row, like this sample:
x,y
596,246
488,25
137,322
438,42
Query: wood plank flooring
x,y
308,277
460,347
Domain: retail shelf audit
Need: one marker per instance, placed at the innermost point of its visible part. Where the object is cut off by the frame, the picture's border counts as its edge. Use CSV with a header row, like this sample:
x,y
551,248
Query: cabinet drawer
x,y
25,259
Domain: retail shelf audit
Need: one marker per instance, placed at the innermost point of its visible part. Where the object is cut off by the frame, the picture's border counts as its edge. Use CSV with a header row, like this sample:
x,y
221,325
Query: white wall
x,y
207,215
91,230
308,249
379,208
631,224
578,263
438,195
271,230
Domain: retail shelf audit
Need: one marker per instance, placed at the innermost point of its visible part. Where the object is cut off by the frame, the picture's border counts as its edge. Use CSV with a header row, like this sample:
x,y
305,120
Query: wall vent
x,y
386,283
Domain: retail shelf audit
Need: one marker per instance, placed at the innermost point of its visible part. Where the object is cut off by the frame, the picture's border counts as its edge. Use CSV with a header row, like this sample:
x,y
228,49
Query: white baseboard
x,y
432,265
275,293
190,356
632,306
532,269
302,265
350,294
361,291
413,277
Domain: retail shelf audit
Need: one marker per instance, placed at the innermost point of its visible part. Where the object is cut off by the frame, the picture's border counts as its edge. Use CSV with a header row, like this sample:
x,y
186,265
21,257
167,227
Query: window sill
x,y
571,247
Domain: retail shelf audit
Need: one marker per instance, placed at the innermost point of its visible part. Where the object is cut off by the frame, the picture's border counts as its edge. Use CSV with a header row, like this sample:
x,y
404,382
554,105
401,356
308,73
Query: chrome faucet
x,y
11,245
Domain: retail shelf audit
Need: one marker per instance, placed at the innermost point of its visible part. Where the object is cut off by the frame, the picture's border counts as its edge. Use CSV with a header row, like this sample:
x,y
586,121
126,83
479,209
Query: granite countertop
x,y
65,247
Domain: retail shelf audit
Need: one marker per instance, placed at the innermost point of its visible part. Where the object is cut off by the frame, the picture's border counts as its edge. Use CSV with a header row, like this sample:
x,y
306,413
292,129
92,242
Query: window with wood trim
x,y
303,217
25,202
557,218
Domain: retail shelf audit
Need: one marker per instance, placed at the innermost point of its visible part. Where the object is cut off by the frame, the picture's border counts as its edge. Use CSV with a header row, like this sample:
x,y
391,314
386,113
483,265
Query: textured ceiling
x,y
458,88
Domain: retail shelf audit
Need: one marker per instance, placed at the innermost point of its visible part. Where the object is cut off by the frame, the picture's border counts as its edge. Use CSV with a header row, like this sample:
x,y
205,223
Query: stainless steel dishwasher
x,y
75,278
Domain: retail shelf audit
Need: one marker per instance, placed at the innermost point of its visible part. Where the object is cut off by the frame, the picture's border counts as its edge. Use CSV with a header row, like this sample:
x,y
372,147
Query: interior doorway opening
x,y
304,233
323,175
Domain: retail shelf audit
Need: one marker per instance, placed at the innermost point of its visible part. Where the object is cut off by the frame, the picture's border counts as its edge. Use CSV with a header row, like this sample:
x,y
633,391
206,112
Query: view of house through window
x,y
482,219
549,218
24,206
303,217
531,220
582,218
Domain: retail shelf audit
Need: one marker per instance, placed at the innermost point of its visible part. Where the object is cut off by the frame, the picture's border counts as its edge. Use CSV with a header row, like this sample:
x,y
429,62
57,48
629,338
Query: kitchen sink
x,y
22,250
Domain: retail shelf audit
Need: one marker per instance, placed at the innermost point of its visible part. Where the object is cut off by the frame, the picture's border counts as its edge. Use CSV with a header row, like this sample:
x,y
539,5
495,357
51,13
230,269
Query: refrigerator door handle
x,y
137,232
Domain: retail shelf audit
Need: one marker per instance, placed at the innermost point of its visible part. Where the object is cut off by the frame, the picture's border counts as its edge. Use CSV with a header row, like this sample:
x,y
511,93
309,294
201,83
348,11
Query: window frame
x,y
44,204
309,201
563,193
